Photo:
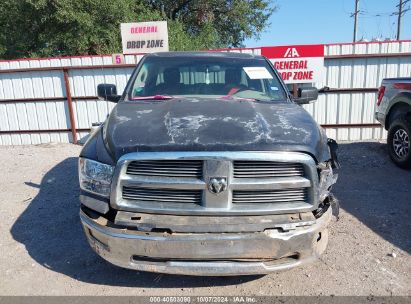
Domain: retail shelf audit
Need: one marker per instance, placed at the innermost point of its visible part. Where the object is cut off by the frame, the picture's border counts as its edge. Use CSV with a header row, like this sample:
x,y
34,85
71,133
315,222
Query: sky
x,y
329,21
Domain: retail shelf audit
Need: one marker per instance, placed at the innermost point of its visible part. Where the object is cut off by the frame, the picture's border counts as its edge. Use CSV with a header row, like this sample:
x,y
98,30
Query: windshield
x,y
211,76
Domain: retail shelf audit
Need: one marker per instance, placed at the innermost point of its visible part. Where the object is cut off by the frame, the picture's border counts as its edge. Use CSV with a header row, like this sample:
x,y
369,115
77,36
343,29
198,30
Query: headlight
x,y
95,177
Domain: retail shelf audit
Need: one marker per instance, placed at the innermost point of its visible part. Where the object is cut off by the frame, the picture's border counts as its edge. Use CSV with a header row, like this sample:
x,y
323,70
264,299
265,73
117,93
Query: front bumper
x,y
208,254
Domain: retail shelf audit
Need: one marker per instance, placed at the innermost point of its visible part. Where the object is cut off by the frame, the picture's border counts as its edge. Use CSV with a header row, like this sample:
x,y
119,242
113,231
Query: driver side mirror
x,y
305,95
108,92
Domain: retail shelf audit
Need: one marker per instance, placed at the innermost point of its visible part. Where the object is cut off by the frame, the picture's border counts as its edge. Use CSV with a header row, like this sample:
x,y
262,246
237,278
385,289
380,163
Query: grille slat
x,y
165,168
168,168
267,192
162,195
265,175
161,172
266,169
275,196
269,197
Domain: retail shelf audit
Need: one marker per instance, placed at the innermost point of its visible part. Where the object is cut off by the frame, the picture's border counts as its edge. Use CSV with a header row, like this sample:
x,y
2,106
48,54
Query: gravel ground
x,y
44,251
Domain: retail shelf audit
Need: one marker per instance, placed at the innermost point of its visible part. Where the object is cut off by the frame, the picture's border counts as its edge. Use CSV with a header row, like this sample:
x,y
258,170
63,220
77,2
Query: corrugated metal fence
x,y
54,99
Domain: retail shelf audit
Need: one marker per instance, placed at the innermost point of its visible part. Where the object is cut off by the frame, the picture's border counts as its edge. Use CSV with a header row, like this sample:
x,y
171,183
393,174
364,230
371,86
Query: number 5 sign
x,y
118,58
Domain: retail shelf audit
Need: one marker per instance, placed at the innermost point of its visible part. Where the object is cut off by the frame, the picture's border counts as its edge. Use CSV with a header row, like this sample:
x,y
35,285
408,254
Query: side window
x,y
140,81
216,77
160,77
185,75
199,77
244,80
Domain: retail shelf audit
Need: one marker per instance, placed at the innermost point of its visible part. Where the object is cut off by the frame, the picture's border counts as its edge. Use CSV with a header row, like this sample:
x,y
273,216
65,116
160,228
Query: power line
x,y
364,12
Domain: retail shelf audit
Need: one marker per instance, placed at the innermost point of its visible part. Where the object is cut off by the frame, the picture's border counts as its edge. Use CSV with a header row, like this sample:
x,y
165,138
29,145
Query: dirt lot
x,y
44,251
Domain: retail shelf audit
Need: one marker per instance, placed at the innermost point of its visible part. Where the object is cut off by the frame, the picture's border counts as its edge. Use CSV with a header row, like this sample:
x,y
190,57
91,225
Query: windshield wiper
x,y
153,97
265,100
231,97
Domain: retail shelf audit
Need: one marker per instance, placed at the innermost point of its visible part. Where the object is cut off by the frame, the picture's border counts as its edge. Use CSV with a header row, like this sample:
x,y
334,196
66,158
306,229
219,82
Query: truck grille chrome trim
x,y
178,183
162,195
266,169
273,196
170,168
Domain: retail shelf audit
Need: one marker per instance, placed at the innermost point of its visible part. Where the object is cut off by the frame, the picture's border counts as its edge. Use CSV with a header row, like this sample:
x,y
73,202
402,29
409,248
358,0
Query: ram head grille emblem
x,y
217,185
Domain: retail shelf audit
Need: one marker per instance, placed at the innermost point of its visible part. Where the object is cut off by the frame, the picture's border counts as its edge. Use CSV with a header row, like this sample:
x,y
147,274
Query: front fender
x,y
95,149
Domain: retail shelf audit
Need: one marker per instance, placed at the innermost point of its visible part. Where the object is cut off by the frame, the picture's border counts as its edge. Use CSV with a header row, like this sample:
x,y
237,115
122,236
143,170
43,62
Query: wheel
x,y
399,142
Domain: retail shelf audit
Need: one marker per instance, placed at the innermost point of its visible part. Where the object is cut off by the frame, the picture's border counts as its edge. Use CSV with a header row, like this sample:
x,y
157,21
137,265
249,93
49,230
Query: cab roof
x,y
206,54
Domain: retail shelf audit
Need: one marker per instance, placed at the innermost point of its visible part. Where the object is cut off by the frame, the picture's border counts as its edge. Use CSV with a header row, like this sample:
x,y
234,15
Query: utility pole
x,y
399,19
355,15
401,12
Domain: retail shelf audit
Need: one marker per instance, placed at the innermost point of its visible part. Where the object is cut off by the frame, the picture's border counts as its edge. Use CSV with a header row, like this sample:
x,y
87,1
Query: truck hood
x,y
190,124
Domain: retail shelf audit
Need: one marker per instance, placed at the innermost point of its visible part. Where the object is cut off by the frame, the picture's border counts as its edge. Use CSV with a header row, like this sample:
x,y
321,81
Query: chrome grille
x,y
266,169
162,195
269,197
170,168
179,183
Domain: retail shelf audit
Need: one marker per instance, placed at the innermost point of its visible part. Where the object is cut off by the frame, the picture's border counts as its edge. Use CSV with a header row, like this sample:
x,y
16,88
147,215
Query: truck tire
x,y
399,142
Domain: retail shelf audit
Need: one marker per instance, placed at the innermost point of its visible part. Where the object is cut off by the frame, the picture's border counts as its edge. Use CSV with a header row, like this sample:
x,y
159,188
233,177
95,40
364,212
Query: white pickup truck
x,y
394,113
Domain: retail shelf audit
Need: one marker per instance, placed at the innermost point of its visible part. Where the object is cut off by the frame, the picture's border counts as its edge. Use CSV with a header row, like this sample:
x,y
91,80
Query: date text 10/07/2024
x,y
202,299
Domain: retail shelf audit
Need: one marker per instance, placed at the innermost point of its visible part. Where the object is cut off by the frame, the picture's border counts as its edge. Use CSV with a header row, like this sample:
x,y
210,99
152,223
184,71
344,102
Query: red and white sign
x,y
144,37
297,63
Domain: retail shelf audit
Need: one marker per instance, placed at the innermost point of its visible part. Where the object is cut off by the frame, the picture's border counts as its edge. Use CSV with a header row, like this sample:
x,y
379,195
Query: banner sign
x,y
297,63
144,37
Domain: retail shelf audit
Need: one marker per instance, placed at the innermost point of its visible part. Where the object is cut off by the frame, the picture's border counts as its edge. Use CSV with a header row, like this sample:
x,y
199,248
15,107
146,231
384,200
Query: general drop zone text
x,y
300,75
140,44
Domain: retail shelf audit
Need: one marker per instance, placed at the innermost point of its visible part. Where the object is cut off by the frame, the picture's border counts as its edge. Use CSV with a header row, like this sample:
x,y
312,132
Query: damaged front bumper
x,y
208,254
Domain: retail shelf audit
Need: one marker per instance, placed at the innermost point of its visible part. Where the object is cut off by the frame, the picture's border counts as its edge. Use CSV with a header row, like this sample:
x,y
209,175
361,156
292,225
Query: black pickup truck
x,y
207,166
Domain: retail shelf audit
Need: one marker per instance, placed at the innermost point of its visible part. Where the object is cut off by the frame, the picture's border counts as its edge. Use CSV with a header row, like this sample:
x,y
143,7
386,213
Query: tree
x,y
36,28
232,20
